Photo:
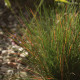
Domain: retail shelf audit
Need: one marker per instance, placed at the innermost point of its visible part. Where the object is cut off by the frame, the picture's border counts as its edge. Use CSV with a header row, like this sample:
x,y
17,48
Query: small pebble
x,y
20,49
4,51
24,54
23,74
9,71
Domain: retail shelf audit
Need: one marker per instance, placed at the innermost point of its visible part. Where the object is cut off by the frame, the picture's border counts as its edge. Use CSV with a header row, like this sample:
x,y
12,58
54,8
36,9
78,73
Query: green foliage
x,y
52,41
65,1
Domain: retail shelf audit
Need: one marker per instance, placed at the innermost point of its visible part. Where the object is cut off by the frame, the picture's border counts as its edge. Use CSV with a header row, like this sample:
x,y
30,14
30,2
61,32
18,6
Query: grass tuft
x,y
52,41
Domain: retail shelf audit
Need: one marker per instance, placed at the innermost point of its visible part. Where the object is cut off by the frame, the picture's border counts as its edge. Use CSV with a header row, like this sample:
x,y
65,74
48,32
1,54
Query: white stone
x,y
15,46
7,60
24,54
10,51
1,57
20,49
1,32
10,72
4,51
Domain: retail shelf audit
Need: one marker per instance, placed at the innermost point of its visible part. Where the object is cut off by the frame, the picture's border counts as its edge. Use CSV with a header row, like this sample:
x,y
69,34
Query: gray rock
x,y
4,69
14,24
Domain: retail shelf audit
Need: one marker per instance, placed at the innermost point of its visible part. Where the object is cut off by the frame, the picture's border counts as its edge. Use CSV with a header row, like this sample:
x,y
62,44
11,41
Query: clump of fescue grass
x,y
52,41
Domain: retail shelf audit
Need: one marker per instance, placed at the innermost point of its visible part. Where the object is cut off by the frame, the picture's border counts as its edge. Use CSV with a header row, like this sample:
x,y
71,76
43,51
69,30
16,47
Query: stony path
x,y
13,61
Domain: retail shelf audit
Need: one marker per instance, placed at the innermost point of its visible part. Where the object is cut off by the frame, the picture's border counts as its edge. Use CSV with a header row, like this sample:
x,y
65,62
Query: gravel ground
x,y
13,60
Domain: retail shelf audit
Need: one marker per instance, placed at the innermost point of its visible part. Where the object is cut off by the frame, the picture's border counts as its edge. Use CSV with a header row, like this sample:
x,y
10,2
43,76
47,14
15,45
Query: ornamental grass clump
x,y
52,41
